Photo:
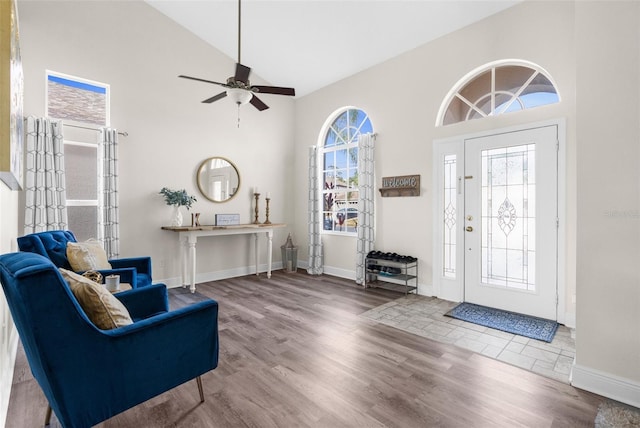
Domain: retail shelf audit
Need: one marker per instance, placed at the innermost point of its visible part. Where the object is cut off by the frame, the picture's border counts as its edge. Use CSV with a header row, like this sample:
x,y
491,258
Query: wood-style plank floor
x,y
294,352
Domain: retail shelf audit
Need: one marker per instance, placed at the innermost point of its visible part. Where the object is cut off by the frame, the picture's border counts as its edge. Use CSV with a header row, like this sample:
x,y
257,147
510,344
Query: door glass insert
x,y
450,209
508,217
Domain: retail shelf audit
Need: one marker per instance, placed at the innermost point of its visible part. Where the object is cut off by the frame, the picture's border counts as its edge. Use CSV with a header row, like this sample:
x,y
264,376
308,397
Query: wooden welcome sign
x,y
402,185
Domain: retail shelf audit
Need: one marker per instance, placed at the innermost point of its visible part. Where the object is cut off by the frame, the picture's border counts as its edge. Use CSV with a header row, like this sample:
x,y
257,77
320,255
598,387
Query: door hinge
x,y
557,145
557,223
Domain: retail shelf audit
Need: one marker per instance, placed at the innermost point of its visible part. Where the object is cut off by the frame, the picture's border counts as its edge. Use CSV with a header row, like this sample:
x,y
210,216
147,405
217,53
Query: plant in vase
x,y
177,199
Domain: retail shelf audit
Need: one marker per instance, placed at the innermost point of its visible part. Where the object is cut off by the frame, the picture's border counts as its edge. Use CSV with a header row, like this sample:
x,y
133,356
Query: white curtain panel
x,y
315,216
45,190
109,220
366,203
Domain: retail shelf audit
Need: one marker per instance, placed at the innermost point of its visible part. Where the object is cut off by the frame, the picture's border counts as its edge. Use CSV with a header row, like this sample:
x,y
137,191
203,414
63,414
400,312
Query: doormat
x,y
511,322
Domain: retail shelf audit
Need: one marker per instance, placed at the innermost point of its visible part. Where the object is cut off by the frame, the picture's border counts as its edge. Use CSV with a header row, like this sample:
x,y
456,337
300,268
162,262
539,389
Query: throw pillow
x,y
88,255
102,308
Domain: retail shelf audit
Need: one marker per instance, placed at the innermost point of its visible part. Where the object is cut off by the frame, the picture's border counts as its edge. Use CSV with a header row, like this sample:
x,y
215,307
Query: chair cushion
x,y
88,255
102,308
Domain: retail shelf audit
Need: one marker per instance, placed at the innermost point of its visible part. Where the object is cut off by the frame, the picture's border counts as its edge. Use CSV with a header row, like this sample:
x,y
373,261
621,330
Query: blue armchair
x,y
89,375
53,245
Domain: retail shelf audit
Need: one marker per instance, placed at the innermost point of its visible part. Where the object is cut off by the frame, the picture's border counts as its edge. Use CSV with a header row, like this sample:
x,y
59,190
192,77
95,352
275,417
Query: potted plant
x,y
177,199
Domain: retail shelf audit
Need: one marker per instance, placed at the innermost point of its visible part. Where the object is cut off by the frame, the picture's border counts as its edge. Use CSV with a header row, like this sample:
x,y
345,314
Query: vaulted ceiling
x,y
309,44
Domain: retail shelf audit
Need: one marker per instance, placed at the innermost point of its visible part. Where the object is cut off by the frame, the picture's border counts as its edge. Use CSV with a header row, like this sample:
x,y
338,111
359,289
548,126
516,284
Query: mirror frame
x,y
202,165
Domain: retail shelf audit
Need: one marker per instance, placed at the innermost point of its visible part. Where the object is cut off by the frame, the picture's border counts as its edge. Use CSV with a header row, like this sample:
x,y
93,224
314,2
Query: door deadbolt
x,y
469,229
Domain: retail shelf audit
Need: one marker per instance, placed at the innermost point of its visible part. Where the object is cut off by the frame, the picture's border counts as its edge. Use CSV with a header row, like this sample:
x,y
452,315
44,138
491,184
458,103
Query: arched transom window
x,y
339,154
497,88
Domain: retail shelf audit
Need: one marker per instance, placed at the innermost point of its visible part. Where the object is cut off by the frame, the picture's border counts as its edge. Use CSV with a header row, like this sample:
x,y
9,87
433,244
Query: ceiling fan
x,y
238,87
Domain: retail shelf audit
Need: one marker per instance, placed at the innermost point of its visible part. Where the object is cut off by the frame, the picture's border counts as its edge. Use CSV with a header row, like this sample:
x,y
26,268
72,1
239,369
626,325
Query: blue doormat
x,y
511,322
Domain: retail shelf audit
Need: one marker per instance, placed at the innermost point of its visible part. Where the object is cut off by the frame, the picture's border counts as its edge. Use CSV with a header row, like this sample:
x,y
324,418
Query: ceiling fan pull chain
x,y
238,115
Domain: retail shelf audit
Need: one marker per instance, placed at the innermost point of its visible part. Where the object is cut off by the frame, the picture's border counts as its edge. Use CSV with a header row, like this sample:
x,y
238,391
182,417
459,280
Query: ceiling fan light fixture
x,y
239,96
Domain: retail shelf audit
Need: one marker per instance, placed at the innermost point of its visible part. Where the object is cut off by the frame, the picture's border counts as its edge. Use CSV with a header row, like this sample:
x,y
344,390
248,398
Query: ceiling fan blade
x,y
242,73
257,103
203,80
274,90
220,96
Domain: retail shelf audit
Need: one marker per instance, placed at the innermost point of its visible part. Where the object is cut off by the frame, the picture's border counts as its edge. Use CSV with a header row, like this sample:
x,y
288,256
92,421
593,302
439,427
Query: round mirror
x,y
218,179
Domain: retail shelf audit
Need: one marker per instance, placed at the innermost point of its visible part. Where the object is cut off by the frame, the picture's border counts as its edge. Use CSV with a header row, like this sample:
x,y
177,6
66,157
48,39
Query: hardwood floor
x,y
294,352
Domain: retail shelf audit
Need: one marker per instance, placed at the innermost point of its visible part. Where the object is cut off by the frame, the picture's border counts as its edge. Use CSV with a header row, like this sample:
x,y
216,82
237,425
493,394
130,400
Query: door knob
x,y
469,229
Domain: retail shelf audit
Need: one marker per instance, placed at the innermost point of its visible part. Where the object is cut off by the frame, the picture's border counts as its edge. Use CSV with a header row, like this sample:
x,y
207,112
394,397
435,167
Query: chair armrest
x,y
191,316
128,275
150,346
146,301
142,264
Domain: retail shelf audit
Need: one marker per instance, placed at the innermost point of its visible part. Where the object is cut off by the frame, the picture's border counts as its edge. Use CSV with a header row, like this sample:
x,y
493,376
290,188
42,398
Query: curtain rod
x,y
123,133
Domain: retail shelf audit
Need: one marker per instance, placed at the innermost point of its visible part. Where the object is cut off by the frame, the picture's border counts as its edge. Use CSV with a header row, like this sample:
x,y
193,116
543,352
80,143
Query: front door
x,y
511,221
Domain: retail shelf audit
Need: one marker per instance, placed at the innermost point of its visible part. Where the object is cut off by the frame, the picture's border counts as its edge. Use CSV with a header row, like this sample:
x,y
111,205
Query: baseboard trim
x,y
423,289
340,273
176,282
606,384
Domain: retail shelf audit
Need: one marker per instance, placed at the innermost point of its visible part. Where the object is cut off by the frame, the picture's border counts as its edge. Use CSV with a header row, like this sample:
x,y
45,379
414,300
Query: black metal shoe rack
x,y
391,271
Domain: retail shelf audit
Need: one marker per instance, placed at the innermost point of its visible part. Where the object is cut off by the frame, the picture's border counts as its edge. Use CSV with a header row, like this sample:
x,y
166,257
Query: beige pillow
x,y
88,255
102,308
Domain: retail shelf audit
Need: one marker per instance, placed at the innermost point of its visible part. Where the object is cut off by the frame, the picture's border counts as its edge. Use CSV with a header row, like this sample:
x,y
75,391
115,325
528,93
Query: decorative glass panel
x,y
450,213
508,220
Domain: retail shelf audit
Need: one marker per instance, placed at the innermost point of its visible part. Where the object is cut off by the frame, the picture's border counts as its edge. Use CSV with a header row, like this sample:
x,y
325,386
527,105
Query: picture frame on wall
x,y
11,98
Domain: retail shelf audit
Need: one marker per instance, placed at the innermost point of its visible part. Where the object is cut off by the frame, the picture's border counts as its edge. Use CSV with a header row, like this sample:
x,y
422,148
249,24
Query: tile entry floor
x,y
424,316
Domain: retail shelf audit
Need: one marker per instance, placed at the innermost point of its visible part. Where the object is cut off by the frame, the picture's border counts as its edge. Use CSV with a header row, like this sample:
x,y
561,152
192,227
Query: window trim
x,y
478,71
326,127
99,202
81,81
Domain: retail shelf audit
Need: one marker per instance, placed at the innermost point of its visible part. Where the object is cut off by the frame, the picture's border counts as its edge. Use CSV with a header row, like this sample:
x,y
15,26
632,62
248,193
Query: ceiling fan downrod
x,y
239,28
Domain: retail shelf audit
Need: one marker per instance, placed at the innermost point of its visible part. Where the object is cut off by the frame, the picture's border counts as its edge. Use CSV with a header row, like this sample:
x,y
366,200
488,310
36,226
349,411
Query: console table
x,y
188,236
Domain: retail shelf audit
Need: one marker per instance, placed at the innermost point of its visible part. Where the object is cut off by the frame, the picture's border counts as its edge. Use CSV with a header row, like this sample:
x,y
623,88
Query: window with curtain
x,y
338,158
83,105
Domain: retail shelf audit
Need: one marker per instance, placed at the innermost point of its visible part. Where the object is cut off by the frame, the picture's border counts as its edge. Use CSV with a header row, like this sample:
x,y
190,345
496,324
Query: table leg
x,y
255,236
183,261
269,252
192,261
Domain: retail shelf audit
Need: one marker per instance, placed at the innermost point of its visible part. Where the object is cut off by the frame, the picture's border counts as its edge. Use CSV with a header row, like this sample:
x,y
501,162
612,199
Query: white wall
x,y
402,97
140,53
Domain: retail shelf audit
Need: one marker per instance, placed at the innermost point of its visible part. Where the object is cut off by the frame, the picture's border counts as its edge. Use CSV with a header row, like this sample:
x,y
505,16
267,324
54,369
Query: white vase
x,y
176,220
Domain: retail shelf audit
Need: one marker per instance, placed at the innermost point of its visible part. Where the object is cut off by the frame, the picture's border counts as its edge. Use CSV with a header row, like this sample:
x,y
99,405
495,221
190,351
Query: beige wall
x,y
402,97
591,50
608,240
140,53
8,334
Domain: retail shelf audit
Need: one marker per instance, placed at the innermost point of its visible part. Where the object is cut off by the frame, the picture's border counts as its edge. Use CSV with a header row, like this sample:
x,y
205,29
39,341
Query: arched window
x,y
497,88
339,163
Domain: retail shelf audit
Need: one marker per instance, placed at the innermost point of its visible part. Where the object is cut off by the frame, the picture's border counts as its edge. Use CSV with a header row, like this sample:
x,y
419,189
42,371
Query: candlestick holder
x,y
257,196
267,211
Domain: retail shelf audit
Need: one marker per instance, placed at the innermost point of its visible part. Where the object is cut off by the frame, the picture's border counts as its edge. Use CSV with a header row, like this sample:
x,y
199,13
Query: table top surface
x,y
213,227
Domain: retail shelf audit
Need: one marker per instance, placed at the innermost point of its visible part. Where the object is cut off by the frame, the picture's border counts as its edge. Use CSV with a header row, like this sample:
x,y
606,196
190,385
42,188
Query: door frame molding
x,y
454,290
